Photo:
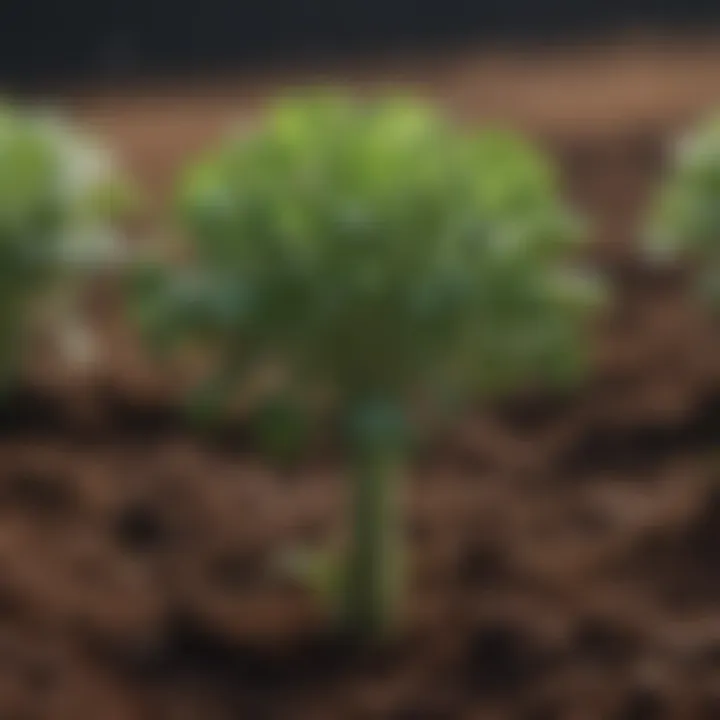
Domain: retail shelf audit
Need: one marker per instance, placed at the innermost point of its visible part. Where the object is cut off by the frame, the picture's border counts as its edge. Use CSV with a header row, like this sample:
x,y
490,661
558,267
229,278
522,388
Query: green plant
x,y
366,261
57,192
684,218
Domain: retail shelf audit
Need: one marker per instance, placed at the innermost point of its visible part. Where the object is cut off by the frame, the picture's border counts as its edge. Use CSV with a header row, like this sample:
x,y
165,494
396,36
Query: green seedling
x,y
684,218
58,196
367,260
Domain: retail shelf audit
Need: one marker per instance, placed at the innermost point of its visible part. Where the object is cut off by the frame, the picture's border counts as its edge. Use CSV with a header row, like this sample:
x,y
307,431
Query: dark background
x,y
51,40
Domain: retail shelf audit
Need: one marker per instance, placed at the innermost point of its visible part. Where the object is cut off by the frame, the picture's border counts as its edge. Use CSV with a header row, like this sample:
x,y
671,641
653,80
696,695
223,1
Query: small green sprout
x,y
58,193
366,260
685,214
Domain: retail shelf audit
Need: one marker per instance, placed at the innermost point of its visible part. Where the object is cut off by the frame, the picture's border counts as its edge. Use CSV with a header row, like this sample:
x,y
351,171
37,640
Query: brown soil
x,y
566,552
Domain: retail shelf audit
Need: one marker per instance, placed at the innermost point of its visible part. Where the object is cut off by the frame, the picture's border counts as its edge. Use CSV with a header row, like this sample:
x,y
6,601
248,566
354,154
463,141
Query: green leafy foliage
x,y
359,259
57,193
685,214
375,249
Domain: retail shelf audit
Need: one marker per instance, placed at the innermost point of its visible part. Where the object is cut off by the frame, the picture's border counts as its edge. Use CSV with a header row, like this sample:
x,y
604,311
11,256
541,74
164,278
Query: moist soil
x,y
565,551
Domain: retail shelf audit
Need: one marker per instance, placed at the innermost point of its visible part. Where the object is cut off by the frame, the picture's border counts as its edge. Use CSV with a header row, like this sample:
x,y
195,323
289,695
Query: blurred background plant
x,y
684,219
59,199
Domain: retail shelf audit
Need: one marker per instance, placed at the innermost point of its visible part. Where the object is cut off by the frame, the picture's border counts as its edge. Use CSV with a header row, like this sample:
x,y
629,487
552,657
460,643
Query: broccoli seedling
x,y
57,196
684,217
370,259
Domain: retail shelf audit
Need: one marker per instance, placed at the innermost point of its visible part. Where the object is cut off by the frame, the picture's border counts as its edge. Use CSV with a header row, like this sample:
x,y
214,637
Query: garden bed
x,y
566,552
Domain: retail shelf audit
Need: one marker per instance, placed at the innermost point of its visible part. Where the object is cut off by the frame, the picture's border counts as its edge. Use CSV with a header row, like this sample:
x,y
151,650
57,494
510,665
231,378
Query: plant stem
x,y
373,573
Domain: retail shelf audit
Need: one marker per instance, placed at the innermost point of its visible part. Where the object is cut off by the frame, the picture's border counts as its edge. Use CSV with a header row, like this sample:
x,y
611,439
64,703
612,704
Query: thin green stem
x,y
374,575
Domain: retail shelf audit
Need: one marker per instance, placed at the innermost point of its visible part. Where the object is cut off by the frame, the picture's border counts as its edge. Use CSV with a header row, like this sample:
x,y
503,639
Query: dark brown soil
x,y
566,552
